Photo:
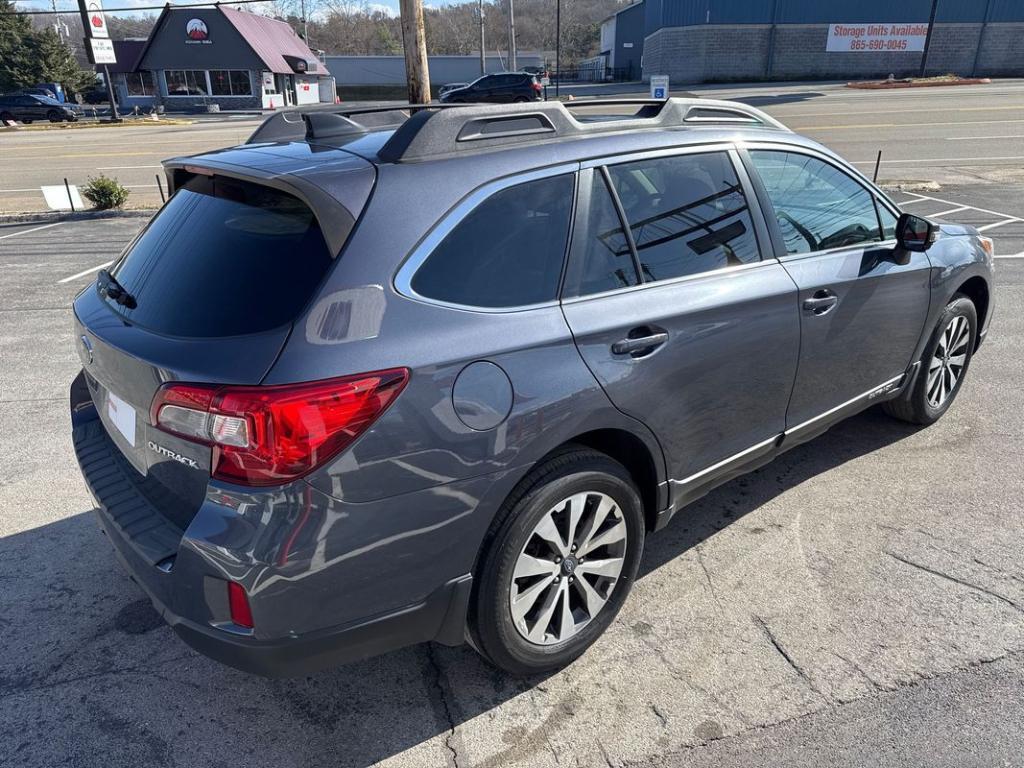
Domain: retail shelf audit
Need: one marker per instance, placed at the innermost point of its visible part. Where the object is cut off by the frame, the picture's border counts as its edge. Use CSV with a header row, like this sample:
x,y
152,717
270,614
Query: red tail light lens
x,y
238,602
271,435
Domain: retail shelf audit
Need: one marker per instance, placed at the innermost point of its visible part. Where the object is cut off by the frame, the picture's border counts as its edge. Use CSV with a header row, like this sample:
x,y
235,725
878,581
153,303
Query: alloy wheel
x,y
568,568
947,363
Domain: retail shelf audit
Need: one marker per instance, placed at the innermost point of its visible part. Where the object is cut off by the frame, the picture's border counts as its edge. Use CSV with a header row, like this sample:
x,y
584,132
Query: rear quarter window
x,y
223,258
507,252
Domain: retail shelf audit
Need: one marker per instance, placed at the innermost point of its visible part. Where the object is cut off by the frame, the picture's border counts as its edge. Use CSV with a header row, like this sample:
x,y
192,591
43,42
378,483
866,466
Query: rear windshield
x,y
223,258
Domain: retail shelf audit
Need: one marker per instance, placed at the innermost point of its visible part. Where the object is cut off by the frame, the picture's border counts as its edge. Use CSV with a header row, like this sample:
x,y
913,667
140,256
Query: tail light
x,y
238,603
271,435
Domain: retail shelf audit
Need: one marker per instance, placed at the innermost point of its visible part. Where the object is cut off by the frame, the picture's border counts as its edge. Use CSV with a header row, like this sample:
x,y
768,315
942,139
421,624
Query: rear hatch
x,y
206,294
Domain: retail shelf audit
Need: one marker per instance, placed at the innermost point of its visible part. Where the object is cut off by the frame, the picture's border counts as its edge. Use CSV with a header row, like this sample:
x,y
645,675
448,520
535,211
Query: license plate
x,y
121,416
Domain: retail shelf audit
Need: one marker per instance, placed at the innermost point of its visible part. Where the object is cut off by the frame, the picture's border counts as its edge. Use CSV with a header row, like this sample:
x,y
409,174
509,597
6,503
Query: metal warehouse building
x,y
720,40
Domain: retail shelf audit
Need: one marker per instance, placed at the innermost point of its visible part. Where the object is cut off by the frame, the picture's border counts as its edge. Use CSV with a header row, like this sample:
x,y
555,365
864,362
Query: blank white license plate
x,y
121,416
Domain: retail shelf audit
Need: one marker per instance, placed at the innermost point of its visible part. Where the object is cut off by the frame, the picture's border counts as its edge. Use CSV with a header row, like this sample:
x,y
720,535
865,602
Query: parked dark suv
x,y
500,88
358,387
26,107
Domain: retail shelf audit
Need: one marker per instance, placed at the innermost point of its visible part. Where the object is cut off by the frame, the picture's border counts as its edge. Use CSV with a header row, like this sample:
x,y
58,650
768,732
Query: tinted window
x,y
817,205
223,258
888,220
507,252
687,214
607,262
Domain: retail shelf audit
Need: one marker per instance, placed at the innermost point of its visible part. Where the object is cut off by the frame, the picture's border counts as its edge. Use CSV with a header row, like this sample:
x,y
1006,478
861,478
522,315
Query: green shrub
x,y
105,193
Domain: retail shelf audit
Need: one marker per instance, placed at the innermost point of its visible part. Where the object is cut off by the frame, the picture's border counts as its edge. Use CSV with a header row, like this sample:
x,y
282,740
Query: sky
x,y
388,6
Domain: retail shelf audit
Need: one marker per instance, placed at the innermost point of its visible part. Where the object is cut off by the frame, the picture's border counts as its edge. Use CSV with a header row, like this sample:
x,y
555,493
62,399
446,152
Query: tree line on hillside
x,y
36,54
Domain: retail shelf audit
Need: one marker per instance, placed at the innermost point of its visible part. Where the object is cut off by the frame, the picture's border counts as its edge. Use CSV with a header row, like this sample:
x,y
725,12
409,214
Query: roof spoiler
x,y
424,131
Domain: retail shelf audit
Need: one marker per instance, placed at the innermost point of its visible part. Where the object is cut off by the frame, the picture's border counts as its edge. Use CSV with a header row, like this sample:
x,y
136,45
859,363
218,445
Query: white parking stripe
x,y
954,202
1011,256
913,202
85,272
30,231
952,210
996,224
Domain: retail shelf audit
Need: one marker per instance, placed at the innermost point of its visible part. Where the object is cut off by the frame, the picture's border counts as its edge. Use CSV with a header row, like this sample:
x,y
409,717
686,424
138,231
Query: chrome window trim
x,y
402,281
724,271
649,154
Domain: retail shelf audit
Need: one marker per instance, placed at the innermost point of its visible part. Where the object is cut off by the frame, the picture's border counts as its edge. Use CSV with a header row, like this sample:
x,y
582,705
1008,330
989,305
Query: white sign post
x,y
876,38
659,86
99,46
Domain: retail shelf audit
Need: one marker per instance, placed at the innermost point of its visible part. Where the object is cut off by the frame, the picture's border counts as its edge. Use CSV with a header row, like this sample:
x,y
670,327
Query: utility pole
x,y
415,44
558,45
305,28
483,48
928,37
512,67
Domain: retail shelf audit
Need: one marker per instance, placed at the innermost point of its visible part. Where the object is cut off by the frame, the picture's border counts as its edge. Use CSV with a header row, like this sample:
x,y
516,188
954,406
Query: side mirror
x,y
914,233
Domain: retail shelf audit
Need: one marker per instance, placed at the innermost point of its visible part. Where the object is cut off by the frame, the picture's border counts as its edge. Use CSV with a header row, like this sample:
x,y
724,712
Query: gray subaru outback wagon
x,y
378,378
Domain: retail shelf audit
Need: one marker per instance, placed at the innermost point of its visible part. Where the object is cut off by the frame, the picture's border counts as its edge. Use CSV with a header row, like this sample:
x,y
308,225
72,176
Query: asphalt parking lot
x,y
858,601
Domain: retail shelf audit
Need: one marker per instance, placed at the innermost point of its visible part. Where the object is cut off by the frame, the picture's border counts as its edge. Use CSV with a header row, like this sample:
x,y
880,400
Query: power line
x,y
132,10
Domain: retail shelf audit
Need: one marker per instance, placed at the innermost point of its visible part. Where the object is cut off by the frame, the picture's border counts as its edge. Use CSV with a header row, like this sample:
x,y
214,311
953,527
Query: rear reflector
x,y
272,435
238,601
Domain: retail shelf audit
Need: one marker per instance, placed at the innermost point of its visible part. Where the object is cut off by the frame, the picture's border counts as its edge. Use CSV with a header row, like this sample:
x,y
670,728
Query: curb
x,y
55,216
880,85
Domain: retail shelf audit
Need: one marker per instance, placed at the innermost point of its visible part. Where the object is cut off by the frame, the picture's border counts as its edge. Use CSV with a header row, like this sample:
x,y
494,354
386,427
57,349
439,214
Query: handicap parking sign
x,y
659,86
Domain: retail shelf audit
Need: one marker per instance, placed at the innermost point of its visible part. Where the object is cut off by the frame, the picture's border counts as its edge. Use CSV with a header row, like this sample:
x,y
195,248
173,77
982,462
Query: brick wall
x,y
741,52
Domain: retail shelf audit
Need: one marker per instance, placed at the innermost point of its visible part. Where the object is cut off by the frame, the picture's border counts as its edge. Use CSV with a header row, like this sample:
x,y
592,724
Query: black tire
x,y
54,116
26,122
5,116
520,99
913,405
575,470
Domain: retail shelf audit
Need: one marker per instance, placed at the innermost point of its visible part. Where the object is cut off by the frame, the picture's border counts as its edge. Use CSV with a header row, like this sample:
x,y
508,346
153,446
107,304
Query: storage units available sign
x,y
876,37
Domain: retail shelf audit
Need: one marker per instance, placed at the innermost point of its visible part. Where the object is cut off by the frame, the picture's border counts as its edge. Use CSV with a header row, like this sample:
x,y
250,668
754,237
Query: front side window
x,y
887,220
186,82
687,214
817,205
507,252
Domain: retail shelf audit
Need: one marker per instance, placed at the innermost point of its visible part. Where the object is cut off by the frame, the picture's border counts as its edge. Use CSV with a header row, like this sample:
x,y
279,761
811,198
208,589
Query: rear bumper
x,y
299,628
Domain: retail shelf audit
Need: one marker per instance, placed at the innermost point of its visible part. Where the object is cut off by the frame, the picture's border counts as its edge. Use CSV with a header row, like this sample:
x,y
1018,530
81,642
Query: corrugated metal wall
x,y
678,13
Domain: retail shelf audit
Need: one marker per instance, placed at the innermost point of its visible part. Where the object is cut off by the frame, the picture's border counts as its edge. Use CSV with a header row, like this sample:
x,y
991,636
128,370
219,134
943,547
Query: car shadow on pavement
x,y
90,675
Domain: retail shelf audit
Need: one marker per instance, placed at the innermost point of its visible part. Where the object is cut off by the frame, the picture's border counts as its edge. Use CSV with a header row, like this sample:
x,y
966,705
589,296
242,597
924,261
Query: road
x,y
858,601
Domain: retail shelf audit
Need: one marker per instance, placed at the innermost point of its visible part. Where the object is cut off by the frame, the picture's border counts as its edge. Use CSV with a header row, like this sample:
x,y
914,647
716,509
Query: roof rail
x,y
423,131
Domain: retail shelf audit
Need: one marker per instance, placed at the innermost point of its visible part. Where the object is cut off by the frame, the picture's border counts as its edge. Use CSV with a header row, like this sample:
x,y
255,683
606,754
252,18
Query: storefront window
x,y
138,84
230,82
186,82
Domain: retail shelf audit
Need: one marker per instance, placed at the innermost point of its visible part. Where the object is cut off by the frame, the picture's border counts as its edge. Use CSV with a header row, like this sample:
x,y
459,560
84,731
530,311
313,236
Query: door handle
x,y
640,345
821,303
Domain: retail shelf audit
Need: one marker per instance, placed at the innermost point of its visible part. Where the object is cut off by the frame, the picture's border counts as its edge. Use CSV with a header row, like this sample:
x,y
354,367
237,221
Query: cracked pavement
x,y
858,601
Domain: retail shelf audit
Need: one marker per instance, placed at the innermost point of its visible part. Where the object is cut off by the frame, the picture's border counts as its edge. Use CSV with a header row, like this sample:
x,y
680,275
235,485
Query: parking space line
x,y
954,202
85,272
952,210
995,224
30,231
1010,256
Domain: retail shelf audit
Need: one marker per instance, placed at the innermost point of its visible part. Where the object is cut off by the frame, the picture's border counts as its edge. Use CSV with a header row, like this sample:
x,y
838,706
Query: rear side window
x,y
606,259
507,252
818,206
223,258
687,214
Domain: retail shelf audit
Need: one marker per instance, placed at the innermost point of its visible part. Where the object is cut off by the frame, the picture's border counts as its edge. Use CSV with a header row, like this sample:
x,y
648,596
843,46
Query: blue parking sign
x,y
659,86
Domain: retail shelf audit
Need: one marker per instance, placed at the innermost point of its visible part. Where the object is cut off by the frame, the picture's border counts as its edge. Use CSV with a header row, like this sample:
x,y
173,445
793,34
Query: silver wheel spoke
x,y
546,607
614,534
594,601
540,628
611,567
958,360
523,602
528,565
567,625
548,531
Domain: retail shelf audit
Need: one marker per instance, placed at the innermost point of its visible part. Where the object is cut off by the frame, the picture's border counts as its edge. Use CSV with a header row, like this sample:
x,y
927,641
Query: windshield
x,y
222,258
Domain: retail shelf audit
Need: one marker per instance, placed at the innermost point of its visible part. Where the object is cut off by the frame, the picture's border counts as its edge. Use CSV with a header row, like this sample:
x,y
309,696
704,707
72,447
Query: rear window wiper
x,y
114,290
